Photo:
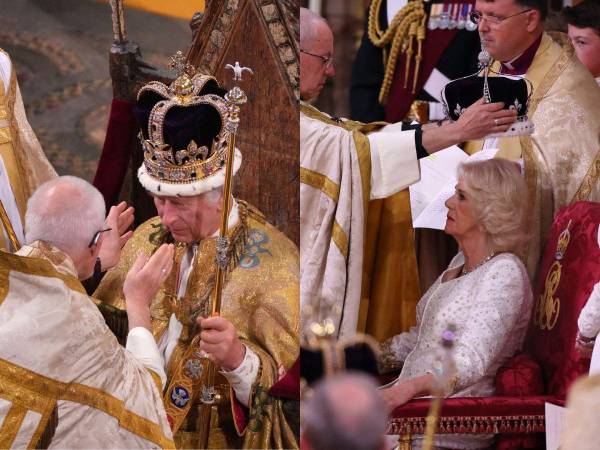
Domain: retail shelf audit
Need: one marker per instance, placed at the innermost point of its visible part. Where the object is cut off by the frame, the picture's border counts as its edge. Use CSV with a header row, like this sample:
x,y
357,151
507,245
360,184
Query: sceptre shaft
x,y
235,98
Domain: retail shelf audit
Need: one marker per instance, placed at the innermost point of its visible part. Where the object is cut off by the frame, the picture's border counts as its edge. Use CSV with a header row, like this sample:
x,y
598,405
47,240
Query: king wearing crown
x,y
226,321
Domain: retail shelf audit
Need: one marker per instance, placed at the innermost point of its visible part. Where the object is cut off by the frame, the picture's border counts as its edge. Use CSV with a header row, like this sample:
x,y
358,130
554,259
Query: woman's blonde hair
x,y
498,195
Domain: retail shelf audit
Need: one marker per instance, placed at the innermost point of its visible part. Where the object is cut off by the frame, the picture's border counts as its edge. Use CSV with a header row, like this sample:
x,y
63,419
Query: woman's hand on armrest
x,y
405,391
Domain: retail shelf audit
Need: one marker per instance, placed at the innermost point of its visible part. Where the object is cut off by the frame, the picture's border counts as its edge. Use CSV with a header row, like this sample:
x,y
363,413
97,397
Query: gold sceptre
x,y
235,98
10,232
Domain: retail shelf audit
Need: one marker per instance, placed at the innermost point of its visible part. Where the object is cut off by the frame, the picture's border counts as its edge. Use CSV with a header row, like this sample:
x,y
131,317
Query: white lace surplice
x,y
490,308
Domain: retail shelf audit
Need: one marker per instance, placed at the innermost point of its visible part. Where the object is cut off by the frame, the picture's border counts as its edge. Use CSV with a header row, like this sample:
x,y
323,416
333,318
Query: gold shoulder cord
x,y
409,24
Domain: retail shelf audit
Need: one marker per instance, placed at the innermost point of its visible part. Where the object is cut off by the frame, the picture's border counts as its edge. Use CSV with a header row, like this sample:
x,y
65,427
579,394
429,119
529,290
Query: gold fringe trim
x,y
470,425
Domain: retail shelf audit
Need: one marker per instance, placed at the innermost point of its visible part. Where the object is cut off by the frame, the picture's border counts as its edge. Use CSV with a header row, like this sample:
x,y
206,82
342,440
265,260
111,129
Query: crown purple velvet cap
x,y
182,124
514,92
184,135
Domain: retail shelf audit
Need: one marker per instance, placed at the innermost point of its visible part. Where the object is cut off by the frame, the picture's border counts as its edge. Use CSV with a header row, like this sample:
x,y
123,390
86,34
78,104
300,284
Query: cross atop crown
x,y
180,65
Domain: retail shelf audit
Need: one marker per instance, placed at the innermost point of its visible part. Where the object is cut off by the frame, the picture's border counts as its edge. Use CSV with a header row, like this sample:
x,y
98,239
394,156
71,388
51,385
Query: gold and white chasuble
x,y
562,156
65,382
260,298
23,165
343,165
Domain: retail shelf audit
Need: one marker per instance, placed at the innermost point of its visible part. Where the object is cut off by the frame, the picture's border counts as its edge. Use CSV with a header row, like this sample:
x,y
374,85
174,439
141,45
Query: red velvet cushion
x,y
521,376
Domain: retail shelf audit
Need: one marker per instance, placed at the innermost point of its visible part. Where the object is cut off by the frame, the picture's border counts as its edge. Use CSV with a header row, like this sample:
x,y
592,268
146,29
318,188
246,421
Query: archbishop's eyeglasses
x,y
477,16
94,240
327,60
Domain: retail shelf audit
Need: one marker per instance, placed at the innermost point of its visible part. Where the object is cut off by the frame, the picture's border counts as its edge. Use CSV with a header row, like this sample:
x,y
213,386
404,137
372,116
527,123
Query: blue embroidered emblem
x,y
253,247
180,396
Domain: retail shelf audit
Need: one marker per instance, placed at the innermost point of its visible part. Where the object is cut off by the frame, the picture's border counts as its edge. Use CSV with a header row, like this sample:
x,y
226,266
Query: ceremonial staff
x,y
235,98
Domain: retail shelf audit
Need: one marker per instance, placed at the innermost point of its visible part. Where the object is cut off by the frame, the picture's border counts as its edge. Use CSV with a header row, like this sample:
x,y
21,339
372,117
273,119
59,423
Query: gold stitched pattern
x,y
11,425
531,175
86,395
34,401
31,266
549,79
589,181
156,379
363,151
320,182
5,135
547,307
114,407
20,155
339,237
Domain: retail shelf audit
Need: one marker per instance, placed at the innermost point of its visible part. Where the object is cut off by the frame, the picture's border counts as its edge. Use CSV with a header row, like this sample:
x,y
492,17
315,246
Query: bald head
x,y
65,212
346,412
316,53
311,25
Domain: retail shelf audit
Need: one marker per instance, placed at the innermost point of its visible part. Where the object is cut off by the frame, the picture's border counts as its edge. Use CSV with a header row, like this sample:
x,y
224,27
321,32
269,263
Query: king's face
x,y
189,219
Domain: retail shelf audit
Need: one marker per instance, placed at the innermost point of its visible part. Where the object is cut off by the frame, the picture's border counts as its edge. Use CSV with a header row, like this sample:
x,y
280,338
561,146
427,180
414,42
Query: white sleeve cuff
x,y
242,378
589,317
394,163
142,345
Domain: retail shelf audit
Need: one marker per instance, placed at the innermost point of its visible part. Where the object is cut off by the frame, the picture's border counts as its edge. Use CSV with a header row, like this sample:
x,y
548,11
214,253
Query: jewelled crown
x,y
514,92
184,133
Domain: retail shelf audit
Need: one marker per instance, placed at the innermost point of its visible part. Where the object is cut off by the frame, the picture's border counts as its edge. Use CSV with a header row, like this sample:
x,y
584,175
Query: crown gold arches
x,y
191,164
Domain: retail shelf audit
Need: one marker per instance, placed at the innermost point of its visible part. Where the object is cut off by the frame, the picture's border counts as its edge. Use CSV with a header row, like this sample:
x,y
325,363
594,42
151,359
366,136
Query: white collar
x,y
233,219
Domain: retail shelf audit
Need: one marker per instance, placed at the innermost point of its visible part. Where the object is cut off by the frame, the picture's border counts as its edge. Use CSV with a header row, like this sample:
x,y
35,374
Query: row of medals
x,y
451,16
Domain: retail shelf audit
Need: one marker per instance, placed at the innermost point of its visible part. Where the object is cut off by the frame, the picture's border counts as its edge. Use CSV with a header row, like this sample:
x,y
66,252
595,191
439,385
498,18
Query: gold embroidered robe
x,y
25,164
562,156
260,298
64,379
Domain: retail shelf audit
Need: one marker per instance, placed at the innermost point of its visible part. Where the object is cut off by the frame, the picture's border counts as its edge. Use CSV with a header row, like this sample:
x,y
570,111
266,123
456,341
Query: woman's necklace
x,y
465,271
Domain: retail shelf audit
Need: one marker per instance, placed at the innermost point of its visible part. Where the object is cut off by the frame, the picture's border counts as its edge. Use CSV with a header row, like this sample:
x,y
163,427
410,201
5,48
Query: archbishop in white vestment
x,y
342,168
64,379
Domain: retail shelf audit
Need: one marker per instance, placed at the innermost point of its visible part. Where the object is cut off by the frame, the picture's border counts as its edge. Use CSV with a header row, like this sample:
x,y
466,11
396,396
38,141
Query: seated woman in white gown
x,y
485,293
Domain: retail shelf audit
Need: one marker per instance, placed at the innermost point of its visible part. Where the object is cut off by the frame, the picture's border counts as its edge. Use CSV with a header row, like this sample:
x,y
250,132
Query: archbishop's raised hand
x,y
143,281
119,219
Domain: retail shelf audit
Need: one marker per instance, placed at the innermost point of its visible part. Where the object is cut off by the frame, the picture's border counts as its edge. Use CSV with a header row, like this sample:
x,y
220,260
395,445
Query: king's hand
x,y
220,340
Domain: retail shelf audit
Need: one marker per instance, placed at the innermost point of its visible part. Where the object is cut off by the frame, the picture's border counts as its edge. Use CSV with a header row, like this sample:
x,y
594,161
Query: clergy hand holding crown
x,y
225,250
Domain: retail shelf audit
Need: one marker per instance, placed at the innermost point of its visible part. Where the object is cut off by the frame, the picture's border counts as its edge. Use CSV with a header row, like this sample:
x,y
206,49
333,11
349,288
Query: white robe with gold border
x,y
57,352
343,165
